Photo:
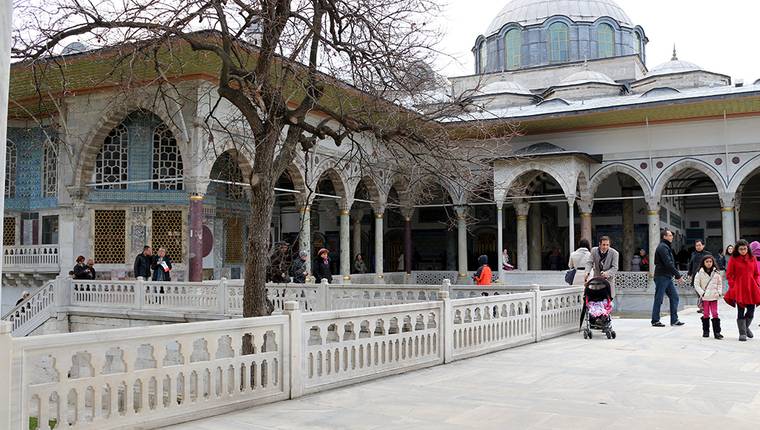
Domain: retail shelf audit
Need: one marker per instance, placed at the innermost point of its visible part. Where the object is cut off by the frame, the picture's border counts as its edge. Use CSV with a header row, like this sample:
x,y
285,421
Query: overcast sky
x,y
720,36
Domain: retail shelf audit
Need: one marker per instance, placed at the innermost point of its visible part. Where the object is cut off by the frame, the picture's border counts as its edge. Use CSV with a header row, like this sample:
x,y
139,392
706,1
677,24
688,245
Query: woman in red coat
x,y
743,291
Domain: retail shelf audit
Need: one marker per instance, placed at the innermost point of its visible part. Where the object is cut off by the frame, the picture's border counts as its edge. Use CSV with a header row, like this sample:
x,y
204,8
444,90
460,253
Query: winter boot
x,y
742,324
716,328
705,327
749,332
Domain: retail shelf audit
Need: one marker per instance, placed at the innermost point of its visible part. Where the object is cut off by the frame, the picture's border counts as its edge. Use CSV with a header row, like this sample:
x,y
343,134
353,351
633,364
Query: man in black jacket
x,y
143,261
664,272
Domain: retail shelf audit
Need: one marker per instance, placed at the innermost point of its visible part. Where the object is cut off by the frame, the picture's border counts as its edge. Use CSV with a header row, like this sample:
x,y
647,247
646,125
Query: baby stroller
x,y
597,312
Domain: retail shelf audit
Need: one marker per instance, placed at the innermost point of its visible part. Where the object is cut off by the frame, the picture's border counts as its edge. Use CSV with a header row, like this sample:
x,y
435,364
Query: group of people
x,y
83,270
153,267
282,270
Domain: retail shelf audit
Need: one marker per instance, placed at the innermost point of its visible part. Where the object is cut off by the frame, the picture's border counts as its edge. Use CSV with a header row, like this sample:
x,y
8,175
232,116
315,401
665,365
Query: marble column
x,y
653,219
304,239
379,245
737,222
729,226
461,212
586,226
500,238
195,267
408,240
522,209
571,224
535,247
356,234
345,244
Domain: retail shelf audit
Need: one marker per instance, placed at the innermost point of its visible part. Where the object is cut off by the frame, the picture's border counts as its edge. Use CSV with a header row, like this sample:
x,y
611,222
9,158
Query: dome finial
x,y
675,55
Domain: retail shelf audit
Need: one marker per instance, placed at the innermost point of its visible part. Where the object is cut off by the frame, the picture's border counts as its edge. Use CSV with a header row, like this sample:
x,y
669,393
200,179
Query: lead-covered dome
x,y
529,12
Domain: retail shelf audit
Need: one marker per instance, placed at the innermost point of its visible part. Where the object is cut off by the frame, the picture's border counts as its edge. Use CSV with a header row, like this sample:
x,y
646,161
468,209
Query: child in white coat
x,y
709,285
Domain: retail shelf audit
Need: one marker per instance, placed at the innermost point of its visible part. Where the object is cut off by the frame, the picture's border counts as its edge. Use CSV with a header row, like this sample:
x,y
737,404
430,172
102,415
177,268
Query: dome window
x,y
483,57
637,48
605,41
558,42
512,48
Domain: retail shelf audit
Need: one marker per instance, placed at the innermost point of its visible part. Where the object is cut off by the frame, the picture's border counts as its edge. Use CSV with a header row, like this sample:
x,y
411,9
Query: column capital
x,y
653,213
585,205
585,214
653,205
461,211
522,208
345,212
571,200
727,200
379,211
195,197
728,209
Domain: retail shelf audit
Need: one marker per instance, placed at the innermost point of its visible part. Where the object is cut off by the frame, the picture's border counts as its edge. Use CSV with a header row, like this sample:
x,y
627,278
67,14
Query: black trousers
x,y
747,312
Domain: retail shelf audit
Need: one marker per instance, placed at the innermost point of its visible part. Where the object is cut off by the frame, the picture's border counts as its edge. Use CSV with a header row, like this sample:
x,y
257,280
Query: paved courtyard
x,y
649,378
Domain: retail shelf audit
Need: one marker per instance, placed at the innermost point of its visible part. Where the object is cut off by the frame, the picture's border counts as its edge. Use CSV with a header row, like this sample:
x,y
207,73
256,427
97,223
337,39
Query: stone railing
x,y
153,376
33,311
31,258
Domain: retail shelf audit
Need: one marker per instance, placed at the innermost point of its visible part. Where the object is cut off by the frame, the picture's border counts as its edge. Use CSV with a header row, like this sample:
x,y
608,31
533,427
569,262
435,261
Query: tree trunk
x,y
259,248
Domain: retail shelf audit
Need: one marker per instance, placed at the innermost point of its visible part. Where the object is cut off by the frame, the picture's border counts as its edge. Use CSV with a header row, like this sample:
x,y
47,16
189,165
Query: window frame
x,y
513,49
556,48
605,48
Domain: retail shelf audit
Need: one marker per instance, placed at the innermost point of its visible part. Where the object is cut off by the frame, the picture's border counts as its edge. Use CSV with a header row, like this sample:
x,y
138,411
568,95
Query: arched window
x,y
558,42
10,169
637,48
167,161
512,48
482,57
112,163
605,40
227,176
49,171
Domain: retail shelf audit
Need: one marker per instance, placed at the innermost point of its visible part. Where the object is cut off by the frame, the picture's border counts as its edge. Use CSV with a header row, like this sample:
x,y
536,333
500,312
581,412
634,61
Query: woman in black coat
x,y
322,266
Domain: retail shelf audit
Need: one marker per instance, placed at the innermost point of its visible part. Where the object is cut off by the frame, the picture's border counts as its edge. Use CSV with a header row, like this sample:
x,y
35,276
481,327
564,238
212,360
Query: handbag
x,y
570,276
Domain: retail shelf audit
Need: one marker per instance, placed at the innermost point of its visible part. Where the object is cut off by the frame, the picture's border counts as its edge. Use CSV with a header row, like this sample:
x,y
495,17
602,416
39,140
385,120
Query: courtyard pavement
x,y
648,378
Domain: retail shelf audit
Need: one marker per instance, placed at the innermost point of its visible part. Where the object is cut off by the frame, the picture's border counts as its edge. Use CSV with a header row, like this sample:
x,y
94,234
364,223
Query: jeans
x,y
664,285
710,309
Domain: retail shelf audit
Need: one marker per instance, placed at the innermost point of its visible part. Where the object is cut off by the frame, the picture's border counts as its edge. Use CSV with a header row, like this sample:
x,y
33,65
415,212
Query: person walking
x,y
743,290
298,269
359,265
695,262
484,275
143,261
279,264
162,267
580,260
664,271
708,282
82,270
322,266
604,262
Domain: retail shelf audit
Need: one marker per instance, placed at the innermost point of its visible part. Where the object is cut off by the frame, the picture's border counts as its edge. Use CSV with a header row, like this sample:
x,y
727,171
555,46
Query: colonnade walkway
x,y
653,378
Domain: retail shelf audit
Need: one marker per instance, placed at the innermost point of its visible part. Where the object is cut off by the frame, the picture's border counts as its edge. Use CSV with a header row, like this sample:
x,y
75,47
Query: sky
x,y
718,36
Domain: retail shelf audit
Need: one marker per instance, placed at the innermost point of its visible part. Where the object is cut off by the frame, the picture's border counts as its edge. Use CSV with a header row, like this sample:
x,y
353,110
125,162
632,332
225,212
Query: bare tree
x,y
355,73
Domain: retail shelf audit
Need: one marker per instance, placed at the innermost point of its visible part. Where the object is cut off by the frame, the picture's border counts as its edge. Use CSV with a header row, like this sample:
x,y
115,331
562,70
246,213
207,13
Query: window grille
x,y
10,169
167,161
9,231
167,233
233,247
49,171
109,241
112,163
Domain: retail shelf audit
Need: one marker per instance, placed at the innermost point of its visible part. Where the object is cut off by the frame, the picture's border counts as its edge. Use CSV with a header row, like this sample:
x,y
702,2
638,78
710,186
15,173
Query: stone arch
x,y
611,169
244,163
111,119
689,163
582,190
338,183
372,189
741,176
566,181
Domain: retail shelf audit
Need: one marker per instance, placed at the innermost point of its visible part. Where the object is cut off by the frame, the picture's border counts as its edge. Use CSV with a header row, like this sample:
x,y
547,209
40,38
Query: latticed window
x,y
483,57
558,42
9,231
512,48
233,247
167,161
167,233
109,242
606,41
10,169
49,171
112,163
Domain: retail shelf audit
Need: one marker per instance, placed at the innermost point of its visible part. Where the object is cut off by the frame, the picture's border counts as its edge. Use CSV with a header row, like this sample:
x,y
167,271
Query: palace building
x,y
611,143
